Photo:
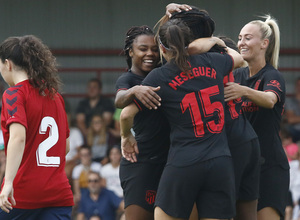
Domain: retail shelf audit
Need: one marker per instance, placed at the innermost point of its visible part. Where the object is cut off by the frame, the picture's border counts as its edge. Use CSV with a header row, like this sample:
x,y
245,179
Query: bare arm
x,y
128,143
146,94
260,98
15,151
203,45
237,58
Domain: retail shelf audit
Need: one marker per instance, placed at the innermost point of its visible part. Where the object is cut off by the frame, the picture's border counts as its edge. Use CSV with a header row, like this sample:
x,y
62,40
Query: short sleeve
x,y
122,83
275,83
13,109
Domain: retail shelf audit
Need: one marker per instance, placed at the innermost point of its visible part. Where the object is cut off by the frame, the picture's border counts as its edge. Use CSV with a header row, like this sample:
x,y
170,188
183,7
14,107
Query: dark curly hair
x,y
131,35
31,55
200,23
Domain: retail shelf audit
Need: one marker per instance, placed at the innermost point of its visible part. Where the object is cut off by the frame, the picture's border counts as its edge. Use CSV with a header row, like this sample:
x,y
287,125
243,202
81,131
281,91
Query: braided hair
x,y
200,24
131,35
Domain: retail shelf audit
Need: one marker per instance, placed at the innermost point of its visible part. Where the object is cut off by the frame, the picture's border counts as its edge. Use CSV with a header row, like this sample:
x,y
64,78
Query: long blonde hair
x,y
269,30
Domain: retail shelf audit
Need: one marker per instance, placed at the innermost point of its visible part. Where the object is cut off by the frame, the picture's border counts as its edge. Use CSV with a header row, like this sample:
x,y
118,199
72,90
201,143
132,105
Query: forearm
x,y
202,45
260,98
126,120
125,97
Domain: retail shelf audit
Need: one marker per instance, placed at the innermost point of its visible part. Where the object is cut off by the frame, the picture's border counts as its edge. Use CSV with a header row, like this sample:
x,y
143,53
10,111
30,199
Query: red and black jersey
x,y
266,122
152,131
238,128
41,180
193,103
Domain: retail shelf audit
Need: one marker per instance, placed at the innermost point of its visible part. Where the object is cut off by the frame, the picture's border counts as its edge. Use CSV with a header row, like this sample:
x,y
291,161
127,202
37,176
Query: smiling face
x,y
250,44
144,54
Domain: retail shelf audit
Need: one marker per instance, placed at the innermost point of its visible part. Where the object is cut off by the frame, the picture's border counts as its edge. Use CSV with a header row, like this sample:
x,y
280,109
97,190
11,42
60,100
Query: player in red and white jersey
x,y
36,132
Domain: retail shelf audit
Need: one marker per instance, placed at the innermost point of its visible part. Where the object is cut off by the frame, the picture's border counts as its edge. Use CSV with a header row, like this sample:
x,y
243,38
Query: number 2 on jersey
x,y
41,152
209,108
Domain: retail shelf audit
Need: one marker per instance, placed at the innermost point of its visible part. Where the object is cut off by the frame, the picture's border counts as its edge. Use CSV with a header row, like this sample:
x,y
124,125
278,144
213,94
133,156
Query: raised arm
x,y
174,7
203,45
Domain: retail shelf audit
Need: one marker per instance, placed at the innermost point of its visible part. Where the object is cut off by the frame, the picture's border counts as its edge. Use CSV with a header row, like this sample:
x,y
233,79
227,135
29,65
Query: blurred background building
x,y
87,36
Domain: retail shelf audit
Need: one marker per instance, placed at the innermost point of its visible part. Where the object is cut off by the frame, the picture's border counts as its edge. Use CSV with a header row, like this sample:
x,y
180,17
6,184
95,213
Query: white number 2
x,y
41,152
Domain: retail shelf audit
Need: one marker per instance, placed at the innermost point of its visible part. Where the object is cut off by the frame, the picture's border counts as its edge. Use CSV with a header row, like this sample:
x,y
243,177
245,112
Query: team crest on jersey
x,y
274,83
150,196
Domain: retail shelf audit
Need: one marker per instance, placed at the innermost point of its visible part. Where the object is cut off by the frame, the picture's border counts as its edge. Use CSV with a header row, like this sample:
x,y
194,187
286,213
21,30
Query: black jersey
x,y
151,127
266,122
238,128
194,105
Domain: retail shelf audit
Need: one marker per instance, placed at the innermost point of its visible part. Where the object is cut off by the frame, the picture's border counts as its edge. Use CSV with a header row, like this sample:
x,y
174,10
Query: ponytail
x,y
175,37
270,30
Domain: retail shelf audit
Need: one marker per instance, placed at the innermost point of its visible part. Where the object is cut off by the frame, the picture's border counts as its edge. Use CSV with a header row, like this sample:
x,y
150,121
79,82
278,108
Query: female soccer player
x,y
242,139
35,130
263,88
192,100
140,180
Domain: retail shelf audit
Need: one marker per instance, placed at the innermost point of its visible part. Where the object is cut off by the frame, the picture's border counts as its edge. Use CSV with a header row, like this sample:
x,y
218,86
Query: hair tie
x,y
162,44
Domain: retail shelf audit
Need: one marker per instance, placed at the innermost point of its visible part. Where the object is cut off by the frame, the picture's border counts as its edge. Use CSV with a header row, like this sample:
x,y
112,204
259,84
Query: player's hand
x,y
219,42
148,96
173,7
129,148
7,193
232,91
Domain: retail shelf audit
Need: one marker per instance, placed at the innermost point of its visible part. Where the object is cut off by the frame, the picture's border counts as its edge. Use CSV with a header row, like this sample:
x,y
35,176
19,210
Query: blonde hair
x,y
91,134
269,30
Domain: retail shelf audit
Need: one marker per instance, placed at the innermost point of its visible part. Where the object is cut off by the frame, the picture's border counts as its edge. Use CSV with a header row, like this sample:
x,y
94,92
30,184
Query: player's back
x,y
193,103
41,180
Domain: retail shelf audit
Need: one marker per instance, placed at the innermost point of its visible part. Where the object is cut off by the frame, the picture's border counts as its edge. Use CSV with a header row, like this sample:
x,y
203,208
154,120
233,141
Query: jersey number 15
x,y
209,108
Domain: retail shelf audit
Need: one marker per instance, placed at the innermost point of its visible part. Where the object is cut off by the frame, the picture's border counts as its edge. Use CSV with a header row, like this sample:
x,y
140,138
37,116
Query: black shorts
x,y
246,164
139,182
274,188
208,183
